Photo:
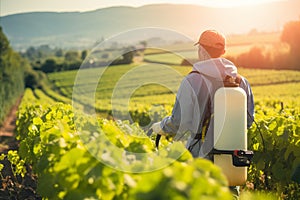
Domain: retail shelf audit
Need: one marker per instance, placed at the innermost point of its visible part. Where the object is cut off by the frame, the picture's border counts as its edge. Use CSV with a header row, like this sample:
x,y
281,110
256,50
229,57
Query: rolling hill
x,y
77,29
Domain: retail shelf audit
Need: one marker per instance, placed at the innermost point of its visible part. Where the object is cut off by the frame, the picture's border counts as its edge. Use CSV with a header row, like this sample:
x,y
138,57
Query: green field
x,y
275,85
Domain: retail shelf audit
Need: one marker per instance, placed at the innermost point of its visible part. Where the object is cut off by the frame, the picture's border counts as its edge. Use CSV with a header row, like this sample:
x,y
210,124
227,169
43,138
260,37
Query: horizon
x,y
57,27
11,7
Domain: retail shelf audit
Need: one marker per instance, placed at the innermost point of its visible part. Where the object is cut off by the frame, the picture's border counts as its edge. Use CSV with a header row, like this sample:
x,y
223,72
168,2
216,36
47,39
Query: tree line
x,y
50,60
16,73
260,57
11,76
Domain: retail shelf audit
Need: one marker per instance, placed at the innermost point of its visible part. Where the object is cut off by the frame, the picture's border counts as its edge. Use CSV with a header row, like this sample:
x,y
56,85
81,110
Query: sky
x,y
8,7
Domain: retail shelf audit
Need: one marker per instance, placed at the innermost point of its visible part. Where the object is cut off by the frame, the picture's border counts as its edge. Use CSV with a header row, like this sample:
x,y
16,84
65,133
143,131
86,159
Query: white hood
x,y
217,68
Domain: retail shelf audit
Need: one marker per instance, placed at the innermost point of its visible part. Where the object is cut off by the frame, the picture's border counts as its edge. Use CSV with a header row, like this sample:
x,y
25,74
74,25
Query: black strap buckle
x,y
240,158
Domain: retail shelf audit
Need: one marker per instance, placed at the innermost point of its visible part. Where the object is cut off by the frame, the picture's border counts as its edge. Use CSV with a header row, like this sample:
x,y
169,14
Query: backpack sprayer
x,y
229,151
230,132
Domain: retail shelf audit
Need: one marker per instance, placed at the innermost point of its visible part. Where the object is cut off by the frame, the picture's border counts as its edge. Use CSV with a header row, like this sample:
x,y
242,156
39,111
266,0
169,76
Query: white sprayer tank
x,y
230,130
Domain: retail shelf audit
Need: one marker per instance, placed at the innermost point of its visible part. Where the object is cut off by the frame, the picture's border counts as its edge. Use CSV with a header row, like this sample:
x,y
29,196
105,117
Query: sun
x,y
230,3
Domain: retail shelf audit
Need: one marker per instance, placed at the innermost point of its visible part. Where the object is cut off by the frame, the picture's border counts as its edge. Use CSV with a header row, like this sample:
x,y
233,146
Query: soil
x,y
14,187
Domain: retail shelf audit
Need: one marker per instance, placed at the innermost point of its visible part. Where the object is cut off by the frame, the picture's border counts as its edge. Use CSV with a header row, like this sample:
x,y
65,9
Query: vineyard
x,y
81,90
78,155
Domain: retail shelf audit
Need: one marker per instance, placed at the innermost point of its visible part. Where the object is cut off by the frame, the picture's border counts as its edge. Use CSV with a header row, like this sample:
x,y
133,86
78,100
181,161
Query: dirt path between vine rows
x,y
7,136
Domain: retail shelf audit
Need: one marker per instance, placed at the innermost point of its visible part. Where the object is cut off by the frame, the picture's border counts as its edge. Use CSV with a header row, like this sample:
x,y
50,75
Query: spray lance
x,y
157,138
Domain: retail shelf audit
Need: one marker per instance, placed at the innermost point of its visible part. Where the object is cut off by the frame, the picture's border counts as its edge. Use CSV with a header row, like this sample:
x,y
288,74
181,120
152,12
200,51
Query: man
x,y
193,110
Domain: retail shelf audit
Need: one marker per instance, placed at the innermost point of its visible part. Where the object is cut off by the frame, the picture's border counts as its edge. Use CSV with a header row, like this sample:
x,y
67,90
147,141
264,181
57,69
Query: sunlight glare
x,y
232,3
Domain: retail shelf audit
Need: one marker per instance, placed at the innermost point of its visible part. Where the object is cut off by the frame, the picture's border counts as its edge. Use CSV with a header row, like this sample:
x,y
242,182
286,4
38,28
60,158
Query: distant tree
x,y
30,53
144,44
71,65
84,54
4,43
44,50
71,56
59,53
127,57
31,78
255,58
40,54
49,66
291,35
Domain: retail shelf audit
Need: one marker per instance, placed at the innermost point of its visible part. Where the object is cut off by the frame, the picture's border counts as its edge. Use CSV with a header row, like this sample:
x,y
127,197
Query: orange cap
x,y
212,38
